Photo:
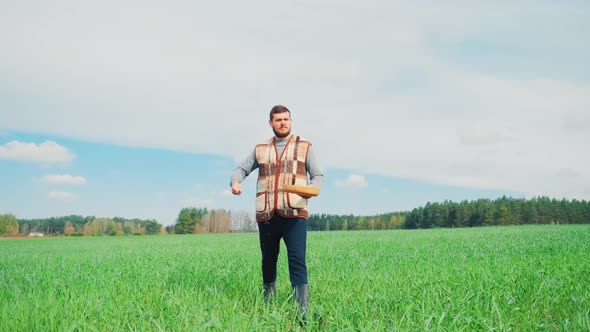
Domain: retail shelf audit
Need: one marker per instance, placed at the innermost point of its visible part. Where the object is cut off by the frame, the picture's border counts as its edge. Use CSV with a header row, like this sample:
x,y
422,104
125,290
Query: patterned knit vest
x,y
274,170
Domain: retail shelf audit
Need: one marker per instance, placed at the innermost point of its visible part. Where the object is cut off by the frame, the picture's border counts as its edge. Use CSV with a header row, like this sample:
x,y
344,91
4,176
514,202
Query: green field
x,y
520,278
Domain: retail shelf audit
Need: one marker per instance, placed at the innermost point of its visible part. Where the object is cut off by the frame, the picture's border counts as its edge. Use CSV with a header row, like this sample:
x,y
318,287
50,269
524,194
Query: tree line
x,y
482,212
75,225
333,222
189,221
201,220
500,212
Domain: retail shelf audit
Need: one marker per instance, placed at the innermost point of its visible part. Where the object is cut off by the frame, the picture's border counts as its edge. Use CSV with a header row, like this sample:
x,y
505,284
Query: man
x,y
283,159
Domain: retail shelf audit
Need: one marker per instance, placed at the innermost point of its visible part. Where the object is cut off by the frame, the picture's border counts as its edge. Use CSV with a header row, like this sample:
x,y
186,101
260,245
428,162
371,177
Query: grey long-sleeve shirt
x,y
316,175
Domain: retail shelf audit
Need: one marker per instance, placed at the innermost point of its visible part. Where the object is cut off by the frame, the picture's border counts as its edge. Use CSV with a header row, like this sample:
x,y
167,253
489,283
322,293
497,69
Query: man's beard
x,y
281,135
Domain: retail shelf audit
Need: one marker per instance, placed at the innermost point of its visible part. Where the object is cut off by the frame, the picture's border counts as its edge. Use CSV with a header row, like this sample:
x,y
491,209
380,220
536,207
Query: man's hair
x,y
279,109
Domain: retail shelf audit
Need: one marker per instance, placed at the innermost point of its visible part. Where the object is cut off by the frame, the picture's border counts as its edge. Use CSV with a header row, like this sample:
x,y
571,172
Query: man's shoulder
x,y
303,139
266,142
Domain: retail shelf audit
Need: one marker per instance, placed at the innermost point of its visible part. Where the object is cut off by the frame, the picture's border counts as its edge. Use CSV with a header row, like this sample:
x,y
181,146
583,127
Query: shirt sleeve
x,y
316,174
244,169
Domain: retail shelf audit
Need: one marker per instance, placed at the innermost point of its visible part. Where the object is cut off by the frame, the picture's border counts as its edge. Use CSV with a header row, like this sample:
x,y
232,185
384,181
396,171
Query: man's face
x,y
281,124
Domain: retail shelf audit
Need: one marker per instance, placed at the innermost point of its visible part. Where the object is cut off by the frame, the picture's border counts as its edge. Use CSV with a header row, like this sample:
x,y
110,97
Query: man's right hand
x,y
236,188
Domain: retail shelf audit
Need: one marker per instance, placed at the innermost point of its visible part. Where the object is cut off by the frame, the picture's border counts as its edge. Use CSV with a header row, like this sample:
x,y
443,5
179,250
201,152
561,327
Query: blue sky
x,y
138,109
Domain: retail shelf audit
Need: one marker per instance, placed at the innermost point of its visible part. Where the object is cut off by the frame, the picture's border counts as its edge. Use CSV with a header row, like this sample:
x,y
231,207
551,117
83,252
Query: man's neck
x,y
283,138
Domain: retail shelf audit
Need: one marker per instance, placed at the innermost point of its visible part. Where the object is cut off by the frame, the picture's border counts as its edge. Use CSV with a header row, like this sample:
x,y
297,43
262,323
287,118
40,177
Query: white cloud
x,y
61,196
483,96
227,193
63,179
353,181
47,151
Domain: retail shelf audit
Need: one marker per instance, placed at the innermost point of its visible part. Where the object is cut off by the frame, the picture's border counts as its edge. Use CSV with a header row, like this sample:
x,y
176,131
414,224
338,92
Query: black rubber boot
x,y
301,295
270,291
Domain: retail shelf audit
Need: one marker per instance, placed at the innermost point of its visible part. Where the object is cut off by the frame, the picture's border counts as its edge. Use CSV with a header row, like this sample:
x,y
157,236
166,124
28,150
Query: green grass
x,y
525,278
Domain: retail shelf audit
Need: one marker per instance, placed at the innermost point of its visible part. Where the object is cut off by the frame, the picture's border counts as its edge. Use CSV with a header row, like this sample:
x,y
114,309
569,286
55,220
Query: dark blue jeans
x,y
293,231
